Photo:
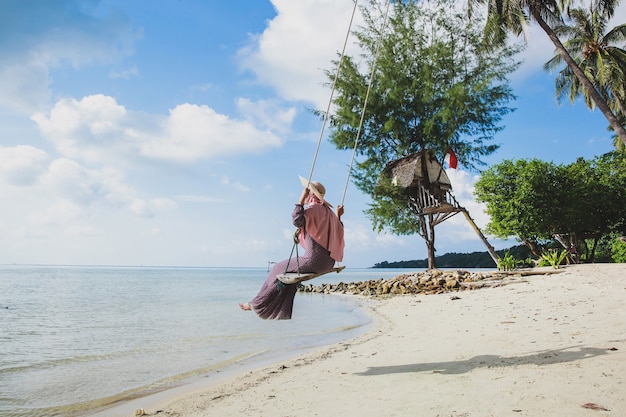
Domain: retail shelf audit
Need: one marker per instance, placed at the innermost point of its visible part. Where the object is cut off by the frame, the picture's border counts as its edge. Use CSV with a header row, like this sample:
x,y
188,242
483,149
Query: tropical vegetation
x,y
597,52
595,66
434,78
538,202
434,86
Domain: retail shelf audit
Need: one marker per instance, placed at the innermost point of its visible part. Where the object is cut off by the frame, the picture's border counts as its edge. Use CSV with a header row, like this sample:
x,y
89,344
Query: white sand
x,y
553,345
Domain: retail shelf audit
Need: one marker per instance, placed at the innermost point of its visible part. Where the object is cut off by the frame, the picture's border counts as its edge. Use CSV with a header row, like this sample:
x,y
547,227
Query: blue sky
x,y
172,132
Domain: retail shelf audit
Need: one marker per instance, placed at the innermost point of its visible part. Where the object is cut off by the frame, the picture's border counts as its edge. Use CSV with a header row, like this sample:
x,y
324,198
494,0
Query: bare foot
x,y
245,306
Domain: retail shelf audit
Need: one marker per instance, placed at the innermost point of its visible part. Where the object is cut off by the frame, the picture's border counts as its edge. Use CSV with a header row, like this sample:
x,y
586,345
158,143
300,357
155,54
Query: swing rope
x,y
296,240
367,95
365,102
326,115
321,135
332,91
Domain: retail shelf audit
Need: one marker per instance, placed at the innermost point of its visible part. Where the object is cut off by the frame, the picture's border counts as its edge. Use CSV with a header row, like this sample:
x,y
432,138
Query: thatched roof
x,y
411,171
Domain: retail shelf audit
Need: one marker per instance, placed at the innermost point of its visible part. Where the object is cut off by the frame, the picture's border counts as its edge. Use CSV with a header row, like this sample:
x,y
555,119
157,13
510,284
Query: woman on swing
x,y
321,235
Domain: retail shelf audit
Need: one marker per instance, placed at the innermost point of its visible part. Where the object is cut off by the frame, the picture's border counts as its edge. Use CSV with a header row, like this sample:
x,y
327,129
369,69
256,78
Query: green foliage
x,y
536,201
618,251
585,38
517,194
553,257
385,212
600,55
434,86
604,248
508,262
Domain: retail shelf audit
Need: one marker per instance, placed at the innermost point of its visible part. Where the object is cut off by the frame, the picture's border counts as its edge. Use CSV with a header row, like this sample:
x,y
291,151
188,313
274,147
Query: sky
x,y
172,133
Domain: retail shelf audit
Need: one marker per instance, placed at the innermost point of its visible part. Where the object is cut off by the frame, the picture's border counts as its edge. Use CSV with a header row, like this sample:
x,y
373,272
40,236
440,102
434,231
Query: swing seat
x,y
294,277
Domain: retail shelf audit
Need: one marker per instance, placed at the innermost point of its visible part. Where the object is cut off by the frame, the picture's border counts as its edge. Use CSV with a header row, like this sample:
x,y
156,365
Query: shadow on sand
x,y
545,357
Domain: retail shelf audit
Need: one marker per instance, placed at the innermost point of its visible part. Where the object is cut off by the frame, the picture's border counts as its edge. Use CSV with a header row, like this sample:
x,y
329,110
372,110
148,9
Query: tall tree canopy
x,y
599,53
435,86
513,15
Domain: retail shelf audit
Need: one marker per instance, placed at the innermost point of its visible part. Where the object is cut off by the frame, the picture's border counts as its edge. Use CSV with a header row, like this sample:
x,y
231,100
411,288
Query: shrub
x,y
553,258
618,251
507,262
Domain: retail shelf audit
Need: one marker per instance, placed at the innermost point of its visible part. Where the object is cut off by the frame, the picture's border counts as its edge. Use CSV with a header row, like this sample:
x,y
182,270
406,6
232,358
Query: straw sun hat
x,y
316,188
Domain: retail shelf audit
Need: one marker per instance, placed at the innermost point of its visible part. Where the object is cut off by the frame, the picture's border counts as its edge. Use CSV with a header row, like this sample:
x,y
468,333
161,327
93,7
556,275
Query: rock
x,y
451,283
425,282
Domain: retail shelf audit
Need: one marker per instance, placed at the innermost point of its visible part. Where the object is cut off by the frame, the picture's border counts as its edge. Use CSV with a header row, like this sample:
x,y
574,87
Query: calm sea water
x,y
76,339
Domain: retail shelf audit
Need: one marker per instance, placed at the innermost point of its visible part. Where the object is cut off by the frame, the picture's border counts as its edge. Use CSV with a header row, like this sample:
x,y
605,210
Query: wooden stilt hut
x,y
425,183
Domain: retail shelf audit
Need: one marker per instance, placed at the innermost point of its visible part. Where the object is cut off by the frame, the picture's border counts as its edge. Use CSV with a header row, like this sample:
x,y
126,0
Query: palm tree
x,y
513,15
596,54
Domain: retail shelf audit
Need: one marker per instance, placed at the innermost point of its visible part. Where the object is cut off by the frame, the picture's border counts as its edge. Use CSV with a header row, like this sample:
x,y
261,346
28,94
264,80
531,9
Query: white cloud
x,y
298,45
463,190
305,36
88,129
620,15
150,208
193,132
359,236
293,51
154,232
73,181
61,212
63,184
267,114
22,165
84,231
98,129
538,50
85,187
288,234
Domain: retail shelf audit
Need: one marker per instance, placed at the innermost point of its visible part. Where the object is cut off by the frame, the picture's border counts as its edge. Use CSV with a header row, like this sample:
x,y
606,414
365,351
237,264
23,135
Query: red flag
x,y
453,162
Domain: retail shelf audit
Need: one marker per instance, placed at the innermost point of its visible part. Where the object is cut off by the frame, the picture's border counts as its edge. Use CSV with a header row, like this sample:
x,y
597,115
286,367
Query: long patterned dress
x,y
275,299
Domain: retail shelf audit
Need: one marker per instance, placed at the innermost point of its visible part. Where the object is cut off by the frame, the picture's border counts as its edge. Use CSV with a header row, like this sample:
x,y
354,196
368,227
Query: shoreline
x,y
253,363
549,345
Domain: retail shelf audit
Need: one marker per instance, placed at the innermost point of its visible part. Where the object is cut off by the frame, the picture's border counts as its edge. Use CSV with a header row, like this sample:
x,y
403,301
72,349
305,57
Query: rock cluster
x,y
432,281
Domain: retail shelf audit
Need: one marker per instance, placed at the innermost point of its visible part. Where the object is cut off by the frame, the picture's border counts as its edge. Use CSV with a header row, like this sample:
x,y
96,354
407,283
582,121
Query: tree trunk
x,y
430,244
595,96
575,242
534,249
428,234
571,245
592,256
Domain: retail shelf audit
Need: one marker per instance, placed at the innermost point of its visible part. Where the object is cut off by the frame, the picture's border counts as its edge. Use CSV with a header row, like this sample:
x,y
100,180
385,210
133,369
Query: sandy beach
x,y
543,345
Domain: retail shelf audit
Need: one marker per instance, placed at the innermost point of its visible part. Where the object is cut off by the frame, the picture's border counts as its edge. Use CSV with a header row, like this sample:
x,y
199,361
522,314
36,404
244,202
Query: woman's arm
x,y
339,211
303,196
297,217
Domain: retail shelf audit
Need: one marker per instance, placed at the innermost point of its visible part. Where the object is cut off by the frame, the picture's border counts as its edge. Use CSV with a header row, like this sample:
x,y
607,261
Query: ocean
x,y
75,340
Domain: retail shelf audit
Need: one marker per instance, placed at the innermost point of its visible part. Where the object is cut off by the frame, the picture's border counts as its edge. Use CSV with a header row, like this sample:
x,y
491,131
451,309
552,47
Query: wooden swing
x,y
296,277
